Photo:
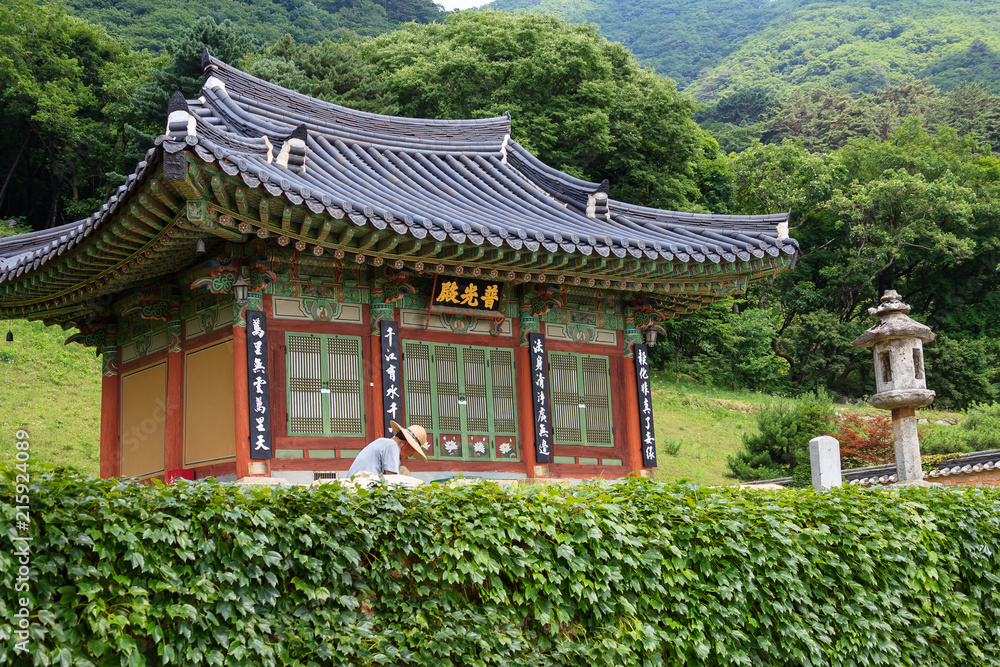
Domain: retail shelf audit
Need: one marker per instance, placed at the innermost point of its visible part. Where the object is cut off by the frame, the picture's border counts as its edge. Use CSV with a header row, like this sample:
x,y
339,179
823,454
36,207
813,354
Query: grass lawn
x,y
52,391
708,422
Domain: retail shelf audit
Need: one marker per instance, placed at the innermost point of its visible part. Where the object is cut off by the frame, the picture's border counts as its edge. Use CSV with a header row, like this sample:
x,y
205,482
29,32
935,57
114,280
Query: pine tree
x,y
782,445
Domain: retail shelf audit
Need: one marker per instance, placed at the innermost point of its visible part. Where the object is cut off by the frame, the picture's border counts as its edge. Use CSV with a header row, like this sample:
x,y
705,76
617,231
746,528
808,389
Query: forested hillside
x,y
678,38
712,47
863,46
148,24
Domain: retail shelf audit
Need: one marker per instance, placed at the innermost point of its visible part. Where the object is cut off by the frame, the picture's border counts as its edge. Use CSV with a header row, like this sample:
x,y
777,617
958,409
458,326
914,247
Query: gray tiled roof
x,y
962,464
463,180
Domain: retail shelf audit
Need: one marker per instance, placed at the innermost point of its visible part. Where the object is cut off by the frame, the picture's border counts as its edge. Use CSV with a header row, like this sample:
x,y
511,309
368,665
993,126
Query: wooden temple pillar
x,y
631,336
110,455
526,324
173,452
241,390
378,312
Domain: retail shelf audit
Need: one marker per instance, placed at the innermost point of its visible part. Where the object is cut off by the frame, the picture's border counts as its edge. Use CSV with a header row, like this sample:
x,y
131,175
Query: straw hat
x,y
415,435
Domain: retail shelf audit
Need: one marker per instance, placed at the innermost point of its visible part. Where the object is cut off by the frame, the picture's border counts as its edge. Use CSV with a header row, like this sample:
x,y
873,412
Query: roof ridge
x,y
495,127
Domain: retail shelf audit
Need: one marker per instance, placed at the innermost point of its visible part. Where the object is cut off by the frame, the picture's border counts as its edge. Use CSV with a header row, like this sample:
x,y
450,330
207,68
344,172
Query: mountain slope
x,y
711,47
677,37
862,46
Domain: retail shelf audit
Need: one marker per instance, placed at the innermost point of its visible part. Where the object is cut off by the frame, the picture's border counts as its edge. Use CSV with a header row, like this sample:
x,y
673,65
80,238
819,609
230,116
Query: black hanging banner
x,y
258,378
646,434
392,406
540,397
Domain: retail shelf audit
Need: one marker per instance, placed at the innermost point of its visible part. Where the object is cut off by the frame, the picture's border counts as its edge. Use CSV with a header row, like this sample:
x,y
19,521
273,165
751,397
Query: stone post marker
x,y
897,342
824,459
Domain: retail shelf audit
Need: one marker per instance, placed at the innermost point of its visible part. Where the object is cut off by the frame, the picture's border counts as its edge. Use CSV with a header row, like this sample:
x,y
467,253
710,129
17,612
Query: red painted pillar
x,y
173,455
375,425
241,397
110,415
526,420
522,380
632,416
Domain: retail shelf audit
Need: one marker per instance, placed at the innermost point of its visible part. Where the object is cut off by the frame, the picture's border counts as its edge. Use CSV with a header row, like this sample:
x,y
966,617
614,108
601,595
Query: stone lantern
x,y
898,344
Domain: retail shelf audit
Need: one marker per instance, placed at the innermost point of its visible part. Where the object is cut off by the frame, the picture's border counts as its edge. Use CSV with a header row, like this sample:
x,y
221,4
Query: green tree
x,y
979,63
151,25
751,361
693,343
826,118
969,109
918,213
183,71
780,447
817,347
859,46
330,71
63,88
963,372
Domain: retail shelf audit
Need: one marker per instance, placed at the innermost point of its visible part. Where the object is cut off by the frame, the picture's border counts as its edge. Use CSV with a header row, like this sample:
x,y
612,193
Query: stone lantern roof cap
x,y
895,323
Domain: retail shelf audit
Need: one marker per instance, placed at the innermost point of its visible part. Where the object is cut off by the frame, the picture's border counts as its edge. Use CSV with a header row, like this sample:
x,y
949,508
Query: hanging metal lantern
x,y
240,289
651,334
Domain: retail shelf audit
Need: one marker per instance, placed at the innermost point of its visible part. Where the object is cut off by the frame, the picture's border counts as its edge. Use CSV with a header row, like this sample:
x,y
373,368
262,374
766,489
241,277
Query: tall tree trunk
x,y
10,172
50,220
767,290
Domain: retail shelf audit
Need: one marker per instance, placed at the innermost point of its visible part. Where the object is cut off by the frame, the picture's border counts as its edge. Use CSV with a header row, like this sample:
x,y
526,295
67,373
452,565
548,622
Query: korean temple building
x,y
281,276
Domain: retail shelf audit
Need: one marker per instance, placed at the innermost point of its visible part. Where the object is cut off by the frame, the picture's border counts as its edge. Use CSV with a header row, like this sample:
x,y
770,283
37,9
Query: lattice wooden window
x,y
581,407
504,414
418,390
477,416
305,379
324,385
445,363
564,386
464,397
596,392
344,383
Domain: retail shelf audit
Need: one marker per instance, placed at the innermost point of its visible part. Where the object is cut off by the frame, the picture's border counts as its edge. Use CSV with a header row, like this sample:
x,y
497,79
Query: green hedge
x,y
635,574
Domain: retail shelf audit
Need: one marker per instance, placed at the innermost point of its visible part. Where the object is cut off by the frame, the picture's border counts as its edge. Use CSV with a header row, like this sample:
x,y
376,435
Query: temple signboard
x,y
467,296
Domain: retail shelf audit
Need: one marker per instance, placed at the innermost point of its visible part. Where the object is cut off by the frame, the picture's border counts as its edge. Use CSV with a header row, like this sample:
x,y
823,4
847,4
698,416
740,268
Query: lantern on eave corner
x,y
648,319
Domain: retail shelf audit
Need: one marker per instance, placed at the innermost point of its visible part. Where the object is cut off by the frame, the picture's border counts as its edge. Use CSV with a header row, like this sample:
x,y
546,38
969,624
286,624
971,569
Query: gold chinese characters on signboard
x,y
467,295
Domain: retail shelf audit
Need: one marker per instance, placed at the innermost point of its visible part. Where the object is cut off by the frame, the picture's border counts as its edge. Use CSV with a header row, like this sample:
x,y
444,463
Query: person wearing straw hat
x,y
382,456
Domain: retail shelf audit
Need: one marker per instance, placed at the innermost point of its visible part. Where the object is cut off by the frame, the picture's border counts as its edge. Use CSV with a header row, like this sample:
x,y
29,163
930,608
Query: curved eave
x,y
64,274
